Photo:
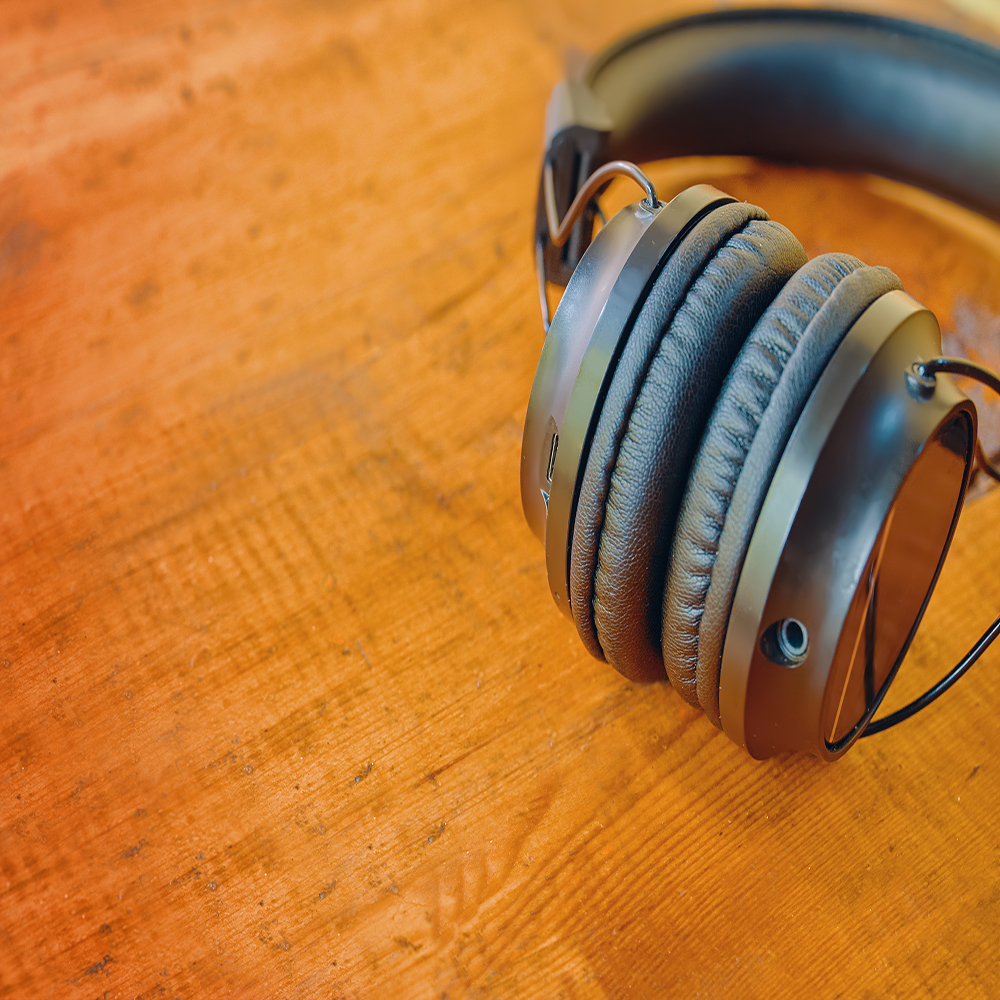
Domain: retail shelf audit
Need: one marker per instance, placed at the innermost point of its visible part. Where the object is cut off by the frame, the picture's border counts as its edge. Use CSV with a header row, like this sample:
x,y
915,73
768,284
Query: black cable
x,y
978,373
942,685
927,370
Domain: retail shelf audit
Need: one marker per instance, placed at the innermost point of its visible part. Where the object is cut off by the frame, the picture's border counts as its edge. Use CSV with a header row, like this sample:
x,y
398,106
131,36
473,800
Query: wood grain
x,y
286,709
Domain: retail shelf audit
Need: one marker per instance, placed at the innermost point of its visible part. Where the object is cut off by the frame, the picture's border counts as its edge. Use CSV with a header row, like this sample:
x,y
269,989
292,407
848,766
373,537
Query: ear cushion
x,y
696,316
743,442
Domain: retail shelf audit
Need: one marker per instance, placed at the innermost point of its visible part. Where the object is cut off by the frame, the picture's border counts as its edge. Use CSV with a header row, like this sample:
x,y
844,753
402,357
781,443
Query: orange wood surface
x,y
285,707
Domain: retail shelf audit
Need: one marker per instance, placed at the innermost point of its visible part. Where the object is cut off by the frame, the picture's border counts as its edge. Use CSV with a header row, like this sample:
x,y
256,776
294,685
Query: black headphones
x,y
747,466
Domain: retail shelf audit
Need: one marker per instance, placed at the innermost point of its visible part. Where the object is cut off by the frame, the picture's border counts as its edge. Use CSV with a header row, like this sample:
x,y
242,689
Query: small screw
x,y
920,384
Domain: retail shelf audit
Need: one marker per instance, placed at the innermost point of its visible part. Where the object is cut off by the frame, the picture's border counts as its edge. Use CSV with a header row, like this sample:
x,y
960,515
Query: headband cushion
x,y
832,88
746,435
694,320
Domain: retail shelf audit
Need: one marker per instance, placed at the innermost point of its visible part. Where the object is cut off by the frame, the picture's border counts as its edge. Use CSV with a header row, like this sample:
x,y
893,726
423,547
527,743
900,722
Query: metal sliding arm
x,y
559,230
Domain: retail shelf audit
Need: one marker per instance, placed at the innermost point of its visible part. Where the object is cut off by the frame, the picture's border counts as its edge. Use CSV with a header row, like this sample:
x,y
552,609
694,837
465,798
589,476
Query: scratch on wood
x,y
364,654
98,966
135,849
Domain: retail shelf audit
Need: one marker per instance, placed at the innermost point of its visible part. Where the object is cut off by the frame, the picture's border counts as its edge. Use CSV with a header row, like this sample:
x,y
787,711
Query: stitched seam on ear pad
x,y
695,342
720,459
653,318
743,442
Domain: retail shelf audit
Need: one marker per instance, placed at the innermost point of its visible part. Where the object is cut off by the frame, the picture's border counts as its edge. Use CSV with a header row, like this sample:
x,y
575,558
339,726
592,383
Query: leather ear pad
x,y
698,312
746,435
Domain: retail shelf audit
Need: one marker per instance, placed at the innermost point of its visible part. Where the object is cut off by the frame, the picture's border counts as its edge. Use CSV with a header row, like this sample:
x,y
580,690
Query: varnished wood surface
x,y
285,707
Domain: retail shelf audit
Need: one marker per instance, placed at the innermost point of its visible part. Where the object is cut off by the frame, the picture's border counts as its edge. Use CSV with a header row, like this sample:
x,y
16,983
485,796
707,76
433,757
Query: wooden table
x,y
286,707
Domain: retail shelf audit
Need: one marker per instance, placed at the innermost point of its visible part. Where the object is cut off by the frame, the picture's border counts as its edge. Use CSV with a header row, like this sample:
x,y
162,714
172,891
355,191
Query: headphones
x,y
746,466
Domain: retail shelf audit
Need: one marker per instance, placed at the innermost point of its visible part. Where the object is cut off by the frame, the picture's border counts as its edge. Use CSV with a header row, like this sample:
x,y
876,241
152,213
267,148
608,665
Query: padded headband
x,y
830,88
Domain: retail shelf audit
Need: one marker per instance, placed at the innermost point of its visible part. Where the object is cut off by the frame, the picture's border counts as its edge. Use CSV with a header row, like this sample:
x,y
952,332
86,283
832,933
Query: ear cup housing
x,y
698,313
757,408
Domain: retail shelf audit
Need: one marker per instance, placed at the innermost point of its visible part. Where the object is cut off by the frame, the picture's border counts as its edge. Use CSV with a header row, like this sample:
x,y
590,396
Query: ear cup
x,y
693,322
746,435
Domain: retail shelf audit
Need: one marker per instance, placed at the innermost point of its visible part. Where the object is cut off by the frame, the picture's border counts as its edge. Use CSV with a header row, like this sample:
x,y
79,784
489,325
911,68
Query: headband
x,y
837,89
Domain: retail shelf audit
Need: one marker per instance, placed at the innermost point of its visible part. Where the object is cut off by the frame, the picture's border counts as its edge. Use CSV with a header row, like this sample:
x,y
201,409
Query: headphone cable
x,y
925,373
